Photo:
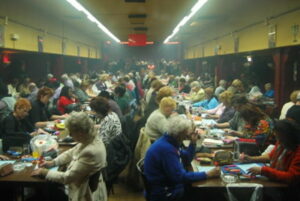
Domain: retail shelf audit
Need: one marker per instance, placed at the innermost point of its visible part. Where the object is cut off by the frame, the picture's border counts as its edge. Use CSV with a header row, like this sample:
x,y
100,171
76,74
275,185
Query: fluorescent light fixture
x,y
194,10
90,17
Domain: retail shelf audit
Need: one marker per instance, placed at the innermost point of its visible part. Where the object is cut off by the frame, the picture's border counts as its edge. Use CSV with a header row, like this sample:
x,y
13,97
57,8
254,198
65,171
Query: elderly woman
x,y
40,115
237,86
84,161
155,99
224,111
163,168
197,93
17,130
288,105
157,121
210,102
269,92
110,125
285,157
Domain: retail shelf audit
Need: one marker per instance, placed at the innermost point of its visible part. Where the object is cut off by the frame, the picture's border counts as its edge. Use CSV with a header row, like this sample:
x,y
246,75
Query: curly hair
x,y
177,125
81,122
226,97
100,105
22,103
293,96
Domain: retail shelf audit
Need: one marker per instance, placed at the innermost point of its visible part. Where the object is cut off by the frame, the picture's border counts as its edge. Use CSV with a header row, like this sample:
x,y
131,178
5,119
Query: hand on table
x,y
39,172
255,171
47,164
245,158
214,172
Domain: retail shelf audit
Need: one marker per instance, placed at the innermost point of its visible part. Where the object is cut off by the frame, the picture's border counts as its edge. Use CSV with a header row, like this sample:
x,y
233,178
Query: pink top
x,y
218,110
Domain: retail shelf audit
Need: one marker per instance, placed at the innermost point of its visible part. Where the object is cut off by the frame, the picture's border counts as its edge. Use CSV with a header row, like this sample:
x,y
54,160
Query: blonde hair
x,y
167,102
293,96
164,92
225,97
237,83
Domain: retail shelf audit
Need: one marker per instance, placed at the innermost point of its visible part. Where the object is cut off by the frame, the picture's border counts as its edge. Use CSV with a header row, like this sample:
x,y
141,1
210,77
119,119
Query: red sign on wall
x,y
137,39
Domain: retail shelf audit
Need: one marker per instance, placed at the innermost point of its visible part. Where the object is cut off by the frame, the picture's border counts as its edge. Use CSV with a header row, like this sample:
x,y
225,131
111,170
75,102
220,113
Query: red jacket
x,y
290,164
62,102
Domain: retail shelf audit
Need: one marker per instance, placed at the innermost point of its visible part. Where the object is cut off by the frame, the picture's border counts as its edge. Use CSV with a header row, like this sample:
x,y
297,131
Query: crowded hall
x,y
150,100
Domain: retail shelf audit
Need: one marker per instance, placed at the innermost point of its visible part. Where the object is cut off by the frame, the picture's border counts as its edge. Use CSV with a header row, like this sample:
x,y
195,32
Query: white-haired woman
x,y
163,168
197,93
85,161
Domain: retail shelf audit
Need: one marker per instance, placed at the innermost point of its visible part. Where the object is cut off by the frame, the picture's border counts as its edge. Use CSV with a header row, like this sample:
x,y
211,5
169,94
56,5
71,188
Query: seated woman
x,y
210,102
17,130
257,124
288,105
84,161
163,169
183,86
79,91
156,98
66,102
110,125
269,92
122,100
224,111
285,158
197,93
157,121
39,115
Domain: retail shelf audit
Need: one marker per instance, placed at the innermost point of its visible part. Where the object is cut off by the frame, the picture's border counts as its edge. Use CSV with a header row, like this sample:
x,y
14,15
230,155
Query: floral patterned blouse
x,y
261,132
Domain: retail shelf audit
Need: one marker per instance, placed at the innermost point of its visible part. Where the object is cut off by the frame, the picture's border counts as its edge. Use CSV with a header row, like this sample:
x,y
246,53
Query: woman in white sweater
x,y
85,162
157,121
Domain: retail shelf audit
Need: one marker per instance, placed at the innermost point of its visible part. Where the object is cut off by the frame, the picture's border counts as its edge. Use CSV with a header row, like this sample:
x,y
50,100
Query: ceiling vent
x,y
137,18
135,1
140,28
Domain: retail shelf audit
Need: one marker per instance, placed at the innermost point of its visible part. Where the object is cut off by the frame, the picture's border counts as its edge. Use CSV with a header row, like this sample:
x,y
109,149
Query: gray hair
x,y
222,82
178,124
195,84
80,121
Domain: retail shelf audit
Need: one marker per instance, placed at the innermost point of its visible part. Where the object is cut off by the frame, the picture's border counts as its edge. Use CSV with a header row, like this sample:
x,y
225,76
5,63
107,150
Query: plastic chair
x,y
244,192
140,167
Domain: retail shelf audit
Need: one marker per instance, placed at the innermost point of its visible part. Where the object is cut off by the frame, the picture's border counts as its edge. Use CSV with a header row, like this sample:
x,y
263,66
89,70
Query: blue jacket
x,y
207,104
165,172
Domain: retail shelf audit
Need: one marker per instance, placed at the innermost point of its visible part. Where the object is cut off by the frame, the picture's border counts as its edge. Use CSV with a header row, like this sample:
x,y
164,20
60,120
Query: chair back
x,y
242,191
140,167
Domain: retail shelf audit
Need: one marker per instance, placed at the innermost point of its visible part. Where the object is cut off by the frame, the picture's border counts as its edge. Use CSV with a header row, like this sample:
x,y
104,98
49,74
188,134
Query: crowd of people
x,y
151,101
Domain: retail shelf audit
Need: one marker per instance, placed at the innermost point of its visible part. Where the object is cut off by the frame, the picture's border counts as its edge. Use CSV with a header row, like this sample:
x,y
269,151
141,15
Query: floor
x,y
124,193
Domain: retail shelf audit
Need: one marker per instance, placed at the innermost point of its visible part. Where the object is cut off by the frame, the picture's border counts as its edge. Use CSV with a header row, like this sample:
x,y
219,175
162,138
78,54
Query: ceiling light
x,y
194,10
90,17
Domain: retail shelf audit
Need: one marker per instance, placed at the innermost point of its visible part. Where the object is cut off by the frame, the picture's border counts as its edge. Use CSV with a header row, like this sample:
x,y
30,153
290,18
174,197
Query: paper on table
x,y
246,167
204,168
9,161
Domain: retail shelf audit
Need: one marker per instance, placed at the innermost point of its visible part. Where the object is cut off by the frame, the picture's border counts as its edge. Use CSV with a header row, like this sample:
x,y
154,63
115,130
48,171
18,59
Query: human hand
x,y
47,164
194,137
255,171
245,158
39,172
213,172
